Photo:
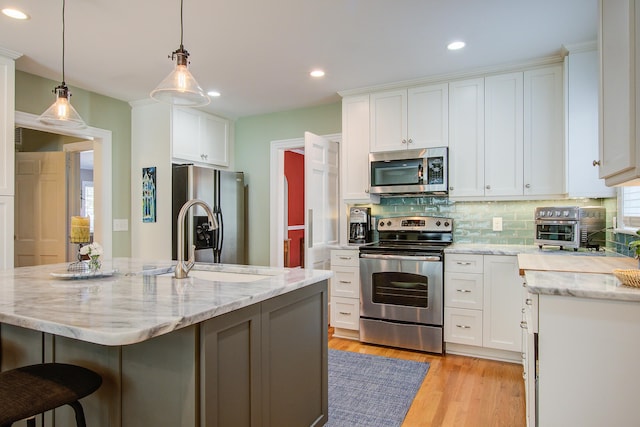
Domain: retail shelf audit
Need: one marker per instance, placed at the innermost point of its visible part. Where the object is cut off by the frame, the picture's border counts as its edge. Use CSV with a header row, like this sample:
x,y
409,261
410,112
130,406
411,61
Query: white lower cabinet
x,y
483,306
345,293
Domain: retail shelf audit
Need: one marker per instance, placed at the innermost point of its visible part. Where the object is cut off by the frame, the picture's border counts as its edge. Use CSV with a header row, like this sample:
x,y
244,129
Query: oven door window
x,y
397,172
405,289
555,232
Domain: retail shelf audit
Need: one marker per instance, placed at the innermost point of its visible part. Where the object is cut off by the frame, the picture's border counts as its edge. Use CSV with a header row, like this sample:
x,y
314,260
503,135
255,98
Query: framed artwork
x,y
149,194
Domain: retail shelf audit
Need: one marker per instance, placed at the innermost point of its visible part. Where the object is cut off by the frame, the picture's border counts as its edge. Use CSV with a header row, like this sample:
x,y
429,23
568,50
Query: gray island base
x,y
257,356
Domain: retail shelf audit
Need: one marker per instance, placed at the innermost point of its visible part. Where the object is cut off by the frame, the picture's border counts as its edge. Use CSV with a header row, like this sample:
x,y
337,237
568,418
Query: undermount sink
x,y
221,276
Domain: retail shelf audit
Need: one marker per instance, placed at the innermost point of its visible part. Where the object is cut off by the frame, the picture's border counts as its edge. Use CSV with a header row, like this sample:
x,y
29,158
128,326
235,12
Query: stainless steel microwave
x,y
418,171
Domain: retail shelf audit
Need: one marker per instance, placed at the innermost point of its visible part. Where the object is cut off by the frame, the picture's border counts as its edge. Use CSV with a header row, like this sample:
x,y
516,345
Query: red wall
x,y
294,171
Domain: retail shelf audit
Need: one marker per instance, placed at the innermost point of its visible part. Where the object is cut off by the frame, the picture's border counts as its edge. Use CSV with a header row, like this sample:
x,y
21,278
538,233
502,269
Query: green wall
x,y
253,136
34,95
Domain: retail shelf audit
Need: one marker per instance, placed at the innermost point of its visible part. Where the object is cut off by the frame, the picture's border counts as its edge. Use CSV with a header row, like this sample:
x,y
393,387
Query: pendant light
x,y
61,113
179,87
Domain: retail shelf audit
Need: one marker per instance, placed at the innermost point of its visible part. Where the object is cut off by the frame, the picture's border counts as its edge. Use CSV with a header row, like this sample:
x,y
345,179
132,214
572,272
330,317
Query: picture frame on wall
x,y
149,192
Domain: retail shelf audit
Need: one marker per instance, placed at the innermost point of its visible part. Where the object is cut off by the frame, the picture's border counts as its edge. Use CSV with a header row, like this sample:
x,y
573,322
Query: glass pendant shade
x,y
179,87
61,113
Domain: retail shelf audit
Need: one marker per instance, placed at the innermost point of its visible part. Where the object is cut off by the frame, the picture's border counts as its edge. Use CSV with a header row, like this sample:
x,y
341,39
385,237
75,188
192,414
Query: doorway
x,y
101,142
278,201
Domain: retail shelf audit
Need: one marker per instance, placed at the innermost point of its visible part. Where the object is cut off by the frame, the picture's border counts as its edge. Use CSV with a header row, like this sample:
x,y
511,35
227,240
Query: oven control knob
x,y
389,223
446,223
438,223
381,224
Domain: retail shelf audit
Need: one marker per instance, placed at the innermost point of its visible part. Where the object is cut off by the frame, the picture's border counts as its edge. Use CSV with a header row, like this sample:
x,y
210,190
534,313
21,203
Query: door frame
x,y
277,213
102,157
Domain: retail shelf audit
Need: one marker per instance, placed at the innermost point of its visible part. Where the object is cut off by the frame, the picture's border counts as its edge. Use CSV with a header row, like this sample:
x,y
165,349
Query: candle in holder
x,y
80,229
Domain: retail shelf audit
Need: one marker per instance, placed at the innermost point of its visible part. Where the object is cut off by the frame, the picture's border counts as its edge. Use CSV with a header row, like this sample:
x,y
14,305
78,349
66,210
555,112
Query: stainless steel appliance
x,y
570,227
359,225
224,191
402,283
409,171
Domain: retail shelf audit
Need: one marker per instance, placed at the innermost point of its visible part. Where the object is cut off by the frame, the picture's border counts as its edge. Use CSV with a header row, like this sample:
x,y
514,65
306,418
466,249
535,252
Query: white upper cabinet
x,y
618,46
199,137
466,138
409,118
506,136
503,135
544,161
354,174
582,125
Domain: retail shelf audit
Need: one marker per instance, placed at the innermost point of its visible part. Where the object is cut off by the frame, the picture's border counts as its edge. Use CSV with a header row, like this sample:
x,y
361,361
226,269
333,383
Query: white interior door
x,y
321,198
40,226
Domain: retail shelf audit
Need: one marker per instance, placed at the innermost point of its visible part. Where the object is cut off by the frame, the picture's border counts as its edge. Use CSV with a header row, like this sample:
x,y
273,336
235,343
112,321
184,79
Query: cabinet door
x,y
502,312
617,94
582,127
503,135
466,138
544,161
389,120
185,132
214,137
428,116
354,168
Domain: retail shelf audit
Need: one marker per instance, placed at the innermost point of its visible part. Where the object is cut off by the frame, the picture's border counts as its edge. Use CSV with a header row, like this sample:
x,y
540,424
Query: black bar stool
x,y
30,390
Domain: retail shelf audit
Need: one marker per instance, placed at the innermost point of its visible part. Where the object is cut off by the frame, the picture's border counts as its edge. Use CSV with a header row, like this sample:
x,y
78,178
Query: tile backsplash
x,y
473,221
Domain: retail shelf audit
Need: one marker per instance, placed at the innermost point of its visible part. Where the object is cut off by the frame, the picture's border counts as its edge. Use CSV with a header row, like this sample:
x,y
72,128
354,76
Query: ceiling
x,y
258,53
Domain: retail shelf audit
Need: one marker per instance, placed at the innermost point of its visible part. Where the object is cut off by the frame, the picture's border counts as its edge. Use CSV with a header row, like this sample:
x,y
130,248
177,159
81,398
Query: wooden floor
x,y
457,391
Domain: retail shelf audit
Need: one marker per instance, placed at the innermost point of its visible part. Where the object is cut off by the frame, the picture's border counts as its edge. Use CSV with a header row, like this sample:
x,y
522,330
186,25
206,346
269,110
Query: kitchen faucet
x,y
182,268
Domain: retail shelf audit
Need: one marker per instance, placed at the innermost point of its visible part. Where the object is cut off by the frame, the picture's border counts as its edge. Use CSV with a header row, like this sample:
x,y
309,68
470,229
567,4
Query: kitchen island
x,y
232,345
582,342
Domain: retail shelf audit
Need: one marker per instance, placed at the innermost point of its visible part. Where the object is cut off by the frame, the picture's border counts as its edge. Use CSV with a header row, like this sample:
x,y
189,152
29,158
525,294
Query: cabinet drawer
x,y
345,313
463,290
463,326
345,257
345,282
463,263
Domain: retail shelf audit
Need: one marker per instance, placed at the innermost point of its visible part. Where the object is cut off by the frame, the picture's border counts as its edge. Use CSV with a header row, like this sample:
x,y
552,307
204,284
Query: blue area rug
x,y
368,391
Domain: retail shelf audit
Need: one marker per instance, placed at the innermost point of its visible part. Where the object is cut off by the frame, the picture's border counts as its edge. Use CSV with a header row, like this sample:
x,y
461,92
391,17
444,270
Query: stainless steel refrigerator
x,y
224,192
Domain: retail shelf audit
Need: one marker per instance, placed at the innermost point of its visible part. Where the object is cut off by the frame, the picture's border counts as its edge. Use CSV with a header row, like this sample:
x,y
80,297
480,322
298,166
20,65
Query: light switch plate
x,y
497,223
121,225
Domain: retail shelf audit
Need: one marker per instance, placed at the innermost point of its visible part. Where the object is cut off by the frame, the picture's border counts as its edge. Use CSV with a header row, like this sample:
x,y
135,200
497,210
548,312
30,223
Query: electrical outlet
x,y
497,223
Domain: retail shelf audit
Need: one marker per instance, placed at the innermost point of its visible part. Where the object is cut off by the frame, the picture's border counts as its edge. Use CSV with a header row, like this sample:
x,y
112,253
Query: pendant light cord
x,y
181,25
63,4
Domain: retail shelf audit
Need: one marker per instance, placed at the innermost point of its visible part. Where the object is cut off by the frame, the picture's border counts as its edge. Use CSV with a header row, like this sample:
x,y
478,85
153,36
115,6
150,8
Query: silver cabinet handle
x,y
488,187
345,313
464,291
527,186
463,262
410,141
404,141
528,301
345,281
463,326
347,258
596,163
523,324
451,188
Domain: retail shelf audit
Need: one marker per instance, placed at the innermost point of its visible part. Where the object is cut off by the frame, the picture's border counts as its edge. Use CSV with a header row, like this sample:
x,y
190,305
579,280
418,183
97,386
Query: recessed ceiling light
x,y
15,13
317,73
455,45
213,93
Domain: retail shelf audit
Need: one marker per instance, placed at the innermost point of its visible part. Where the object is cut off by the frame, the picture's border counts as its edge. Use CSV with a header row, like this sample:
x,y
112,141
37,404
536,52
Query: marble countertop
x,y
584,285
133,304
485,249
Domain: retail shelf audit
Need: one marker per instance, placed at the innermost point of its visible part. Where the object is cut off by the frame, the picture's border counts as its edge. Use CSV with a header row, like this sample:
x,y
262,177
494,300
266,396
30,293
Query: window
x,y
630,207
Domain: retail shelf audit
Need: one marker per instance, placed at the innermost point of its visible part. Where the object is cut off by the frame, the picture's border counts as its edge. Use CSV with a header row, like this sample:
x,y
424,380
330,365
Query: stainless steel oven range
x,y
402,283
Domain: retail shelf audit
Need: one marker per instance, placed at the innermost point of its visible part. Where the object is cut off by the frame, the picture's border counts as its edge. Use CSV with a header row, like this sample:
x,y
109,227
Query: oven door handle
x,y
403,257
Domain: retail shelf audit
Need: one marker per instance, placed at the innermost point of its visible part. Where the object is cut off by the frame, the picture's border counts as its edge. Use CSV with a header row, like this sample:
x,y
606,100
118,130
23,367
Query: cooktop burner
x,y
412,234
